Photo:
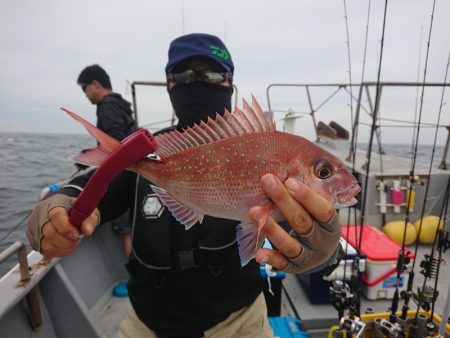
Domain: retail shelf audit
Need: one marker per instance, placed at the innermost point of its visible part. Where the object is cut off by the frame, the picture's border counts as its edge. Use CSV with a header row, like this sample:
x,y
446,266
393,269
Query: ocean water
x,y
29,162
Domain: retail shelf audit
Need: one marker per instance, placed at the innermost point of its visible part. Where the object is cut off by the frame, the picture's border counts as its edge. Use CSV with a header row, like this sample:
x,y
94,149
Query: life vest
x,y
160,242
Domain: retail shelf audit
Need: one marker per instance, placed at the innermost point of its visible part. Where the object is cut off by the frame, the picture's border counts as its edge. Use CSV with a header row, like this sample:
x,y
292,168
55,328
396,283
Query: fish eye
x,y
323,170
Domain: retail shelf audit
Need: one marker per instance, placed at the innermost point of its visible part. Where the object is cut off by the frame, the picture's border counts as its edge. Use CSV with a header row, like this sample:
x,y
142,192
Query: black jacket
x,y
114,116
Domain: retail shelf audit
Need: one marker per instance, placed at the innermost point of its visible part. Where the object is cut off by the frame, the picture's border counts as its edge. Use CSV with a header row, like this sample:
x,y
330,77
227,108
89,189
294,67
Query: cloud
x,y
45,45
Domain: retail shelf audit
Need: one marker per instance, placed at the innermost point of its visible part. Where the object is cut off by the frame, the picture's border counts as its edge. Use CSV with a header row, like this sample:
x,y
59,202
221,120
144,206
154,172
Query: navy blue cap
x,y
198,44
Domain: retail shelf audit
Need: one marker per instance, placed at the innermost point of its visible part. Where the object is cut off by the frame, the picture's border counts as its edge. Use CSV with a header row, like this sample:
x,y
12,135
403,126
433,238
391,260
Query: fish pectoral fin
x,y
185,216
265,212
249,241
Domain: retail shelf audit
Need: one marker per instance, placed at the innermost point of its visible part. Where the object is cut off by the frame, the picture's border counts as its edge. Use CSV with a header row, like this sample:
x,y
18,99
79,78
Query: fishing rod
x,y
417,89
431,266
355,128
349,60
351,118
428,294
401,266
373,126
374,119
355,277
444,245
342,296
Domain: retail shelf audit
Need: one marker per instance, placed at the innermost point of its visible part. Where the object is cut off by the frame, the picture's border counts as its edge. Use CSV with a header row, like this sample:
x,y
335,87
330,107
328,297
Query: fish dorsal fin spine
x,y
249,120
229,131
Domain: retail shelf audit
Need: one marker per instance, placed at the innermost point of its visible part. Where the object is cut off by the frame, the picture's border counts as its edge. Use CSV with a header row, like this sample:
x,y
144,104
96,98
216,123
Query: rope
x,y
15,227
26,216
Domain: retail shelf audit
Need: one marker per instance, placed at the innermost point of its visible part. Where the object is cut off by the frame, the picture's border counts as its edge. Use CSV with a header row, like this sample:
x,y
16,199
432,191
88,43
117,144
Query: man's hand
x,y
49,230
315,227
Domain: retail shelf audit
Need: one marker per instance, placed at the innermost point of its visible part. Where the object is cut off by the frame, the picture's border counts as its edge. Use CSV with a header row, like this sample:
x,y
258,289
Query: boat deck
x,y
112,314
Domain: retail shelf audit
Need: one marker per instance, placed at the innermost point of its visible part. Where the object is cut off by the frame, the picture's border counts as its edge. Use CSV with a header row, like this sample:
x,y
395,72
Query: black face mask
x,y
196,101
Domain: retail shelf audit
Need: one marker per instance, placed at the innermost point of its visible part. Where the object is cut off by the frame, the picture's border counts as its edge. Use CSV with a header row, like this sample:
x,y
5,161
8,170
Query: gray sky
x,y
45,44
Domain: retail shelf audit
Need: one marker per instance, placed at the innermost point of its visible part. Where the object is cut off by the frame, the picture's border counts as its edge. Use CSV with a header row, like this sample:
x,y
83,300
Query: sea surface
x,y
30,162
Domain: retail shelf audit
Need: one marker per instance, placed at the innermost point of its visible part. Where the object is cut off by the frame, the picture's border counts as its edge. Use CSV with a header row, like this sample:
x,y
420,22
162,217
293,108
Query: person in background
x,y
114,117
114,114
191,283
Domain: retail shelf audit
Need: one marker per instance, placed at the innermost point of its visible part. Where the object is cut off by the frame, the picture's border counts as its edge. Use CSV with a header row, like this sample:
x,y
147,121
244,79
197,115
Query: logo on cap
x,y
220,52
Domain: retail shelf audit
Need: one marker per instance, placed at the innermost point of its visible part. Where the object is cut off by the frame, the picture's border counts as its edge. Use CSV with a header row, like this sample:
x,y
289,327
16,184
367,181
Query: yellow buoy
x,y
395,229
429,226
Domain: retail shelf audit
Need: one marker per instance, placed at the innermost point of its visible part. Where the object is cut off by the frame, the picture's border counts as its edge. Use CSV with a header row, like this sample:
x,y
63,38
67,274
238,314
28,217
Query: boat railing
x,y
365,91
21,250
133,85
163,84
25,277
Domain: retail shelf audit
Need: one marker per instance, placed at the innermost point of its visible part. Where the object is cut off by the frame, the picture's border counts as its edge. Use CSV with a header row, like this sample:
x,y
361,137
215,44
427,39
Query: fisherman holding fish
x,y
221,184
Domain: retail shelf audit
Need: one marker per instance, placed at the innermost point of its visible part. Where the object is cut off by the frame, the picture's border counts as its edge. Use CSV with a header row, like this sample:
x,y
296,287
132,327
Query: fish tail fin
x,y
249,241
96,156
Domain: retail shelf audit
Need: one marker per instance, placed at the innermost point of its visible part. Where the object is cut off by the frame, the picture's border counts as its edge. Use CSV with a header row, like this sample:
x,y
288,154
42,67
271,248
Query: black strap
x,y
213,259
183,260
189,259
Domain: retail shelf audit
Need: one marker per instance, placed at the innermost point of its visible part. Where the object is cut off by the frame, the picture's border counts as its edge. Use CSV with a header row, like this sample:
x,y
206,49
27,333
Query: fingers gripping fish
x,y
214,168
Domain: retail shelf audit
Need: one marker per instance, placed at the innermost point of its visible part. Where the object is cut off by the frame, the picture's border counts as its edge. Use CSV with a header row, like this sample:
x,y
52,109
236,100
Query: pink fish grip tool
x,y
133,148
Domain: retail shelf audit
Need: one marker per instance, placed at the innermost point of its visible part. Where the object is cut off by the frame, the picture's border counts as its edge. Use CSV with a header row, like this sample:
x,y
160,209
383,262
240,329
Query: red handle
x,y
133,148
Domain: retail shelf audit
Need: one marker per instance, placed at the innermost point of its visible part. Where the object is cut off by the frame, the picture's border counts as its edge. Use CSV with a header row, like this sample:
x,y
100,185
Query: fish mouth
x,y
346,198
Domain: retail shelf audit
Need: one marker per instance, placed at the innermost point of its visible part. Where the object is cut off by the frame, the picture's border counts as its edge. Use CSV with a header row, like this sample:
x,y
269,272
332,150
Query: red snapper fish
x,y
214,168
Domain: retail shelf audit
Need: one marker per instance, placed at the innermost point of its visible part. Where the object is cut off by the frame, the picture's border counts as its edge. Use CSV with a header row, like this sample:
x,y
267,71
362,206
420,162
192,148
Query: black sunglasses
x,y
205,75
84,86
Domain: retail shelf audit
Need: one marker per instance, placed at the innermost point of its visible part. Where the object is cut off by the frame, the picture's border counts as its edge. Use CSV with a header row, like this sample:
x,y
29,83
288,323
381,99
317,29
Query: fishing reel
x,y
425,297
403,261
383,327
341,297
340,293
444,241
353,326
430,266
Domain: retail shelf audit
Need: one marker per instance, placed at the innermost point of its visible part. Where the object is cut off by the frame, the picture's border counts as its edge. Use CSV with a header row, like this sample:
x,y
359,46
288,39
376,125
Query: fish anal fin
x,y
182,214
247,235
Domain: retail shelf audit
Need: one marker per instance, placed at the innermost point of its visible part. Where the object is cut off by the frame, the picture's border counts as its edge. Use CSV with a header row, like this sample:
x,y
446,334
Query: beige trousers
x,y
250,322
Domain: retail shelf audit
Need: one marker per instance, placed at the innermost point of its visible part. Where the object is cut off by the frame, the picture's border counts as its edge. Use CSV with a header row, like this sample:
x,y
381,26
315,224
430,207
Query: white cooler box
x,y
380,277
